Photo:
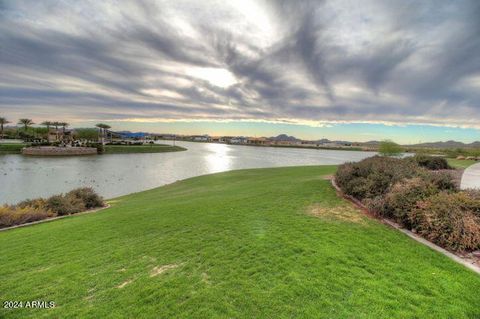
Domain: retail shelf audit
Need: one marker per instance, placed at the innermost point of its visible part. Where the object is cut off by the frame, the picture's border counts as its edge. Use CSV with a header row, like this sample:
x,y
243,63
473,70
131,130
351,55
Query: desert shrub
x,y
414,193
431,162
88,196
376,205
374,176
442,180
11,215
64,205
35,203
403,197
451,220
30,210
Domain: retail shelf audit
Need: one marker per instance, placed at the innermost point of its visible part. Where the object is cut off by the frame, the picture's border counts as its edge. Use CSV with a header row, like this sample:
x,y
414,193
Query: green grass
x,y
155,148
11,148
460,163
243,245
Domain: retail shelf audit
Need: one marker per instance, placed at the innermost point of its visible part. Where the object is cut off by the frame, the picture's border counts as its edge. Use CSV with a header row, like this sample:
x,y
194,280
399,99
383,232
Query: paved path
x,y
471,177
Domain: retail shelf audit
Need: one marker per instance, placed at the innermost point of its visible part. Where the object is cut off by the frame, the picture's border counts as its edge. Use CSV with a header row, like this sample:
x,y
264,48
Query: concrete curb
x,y
414,236
55,218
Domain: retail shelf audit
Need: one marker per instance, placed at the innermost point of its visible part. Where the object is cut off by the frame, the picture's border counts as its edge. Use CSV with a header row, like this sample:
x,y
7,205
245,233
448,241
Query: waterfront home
x,y
55,135
258,141
287,143
238,140
200,138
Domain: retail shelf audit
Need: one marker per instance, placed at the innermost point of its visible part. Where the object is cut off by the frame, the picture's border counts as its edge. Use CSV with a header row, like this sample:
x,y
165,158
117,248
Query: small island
x,y
54,139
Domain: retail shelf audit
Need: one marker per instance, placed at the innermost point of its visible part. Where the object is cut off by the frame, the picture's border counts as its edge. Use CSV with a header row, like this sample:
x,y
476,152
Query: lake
x,y
113,175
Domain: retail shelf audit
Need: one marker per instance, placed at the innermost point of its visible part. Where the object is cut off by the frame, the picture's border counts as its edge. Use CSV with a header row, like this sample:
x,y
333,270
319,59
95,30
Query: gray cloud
x,y
381,61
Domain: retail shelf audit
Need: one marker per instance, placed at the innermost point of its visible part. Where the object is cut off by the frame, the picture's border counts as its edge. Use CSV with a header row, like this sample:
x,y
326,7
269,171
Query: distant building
x,y
238,140
200,138
286,142
258,141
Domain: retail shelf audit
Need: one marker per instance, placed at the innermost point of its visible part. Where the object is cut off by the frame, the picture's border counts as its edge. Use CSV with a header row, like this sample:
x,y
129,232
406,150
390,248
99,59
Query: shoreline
x,y
355,149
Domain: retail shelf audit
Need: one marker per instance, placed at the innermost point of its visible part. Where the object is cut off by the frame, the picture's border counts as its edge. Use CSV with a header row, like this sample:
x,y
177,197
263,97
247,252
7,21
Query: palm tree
x,y
47,124
3,121
26,123
103,128
64,125
56,124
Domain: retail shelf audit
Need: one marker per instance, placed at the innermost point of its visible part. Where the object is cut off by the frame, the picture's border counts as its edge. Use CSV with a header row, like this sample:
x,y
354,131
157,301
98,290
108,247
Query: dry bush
x,y
11,215
65,205
431,162
451,220
88,196
374,176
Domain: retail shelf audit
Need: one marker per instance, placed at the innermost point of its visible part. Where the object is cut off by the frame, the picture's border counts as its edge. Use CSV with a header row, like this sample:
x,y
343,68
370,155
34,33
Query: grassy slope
x,y
245,248
122,149
460,163
11,148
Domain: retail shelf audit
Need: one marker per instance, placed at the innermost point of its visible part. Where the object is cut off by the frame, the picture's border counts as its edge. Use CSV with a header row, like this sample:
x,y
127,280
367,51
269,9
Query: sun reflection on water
x,y
218,158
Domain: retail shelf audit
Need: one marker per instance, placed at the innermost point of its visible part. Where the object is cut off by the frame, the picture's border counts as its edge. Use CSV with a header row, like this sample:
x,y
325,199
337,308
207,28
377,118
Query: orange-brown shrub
x,y
30,210
451,220
10,216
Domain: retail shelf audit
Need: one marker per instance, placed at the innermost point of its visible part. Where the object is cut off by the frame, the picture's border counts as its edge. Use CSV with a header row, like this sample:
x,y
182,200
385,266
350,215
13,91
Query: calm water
x,y
119,174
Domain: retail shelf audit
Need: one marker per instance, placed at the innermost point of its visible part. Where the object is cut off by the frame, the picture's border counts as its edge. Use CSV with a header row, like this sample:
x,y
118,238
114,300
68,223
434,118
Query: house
x,y
258,141
55,135
288,143
200,138
238,140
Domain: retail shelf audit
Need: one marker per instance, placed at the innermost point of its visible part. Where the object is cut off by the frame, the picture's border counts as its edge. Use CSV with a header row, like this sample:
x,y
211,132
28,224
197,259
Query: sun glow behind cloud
x,y
216,76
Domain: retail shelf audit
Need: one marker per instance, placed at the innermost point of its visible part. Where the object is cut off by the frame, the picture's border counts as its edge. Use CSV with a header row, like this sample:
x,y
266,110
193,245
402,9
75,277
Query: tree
x,y
56,124
389,148
47,124
64,125
103,128
26,123
3,121
86,133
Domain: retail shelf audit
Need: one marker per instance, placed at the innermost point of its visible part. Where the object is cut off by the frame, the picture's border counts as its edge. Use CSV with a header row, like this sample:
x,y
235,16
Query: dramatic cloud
x,y
293,61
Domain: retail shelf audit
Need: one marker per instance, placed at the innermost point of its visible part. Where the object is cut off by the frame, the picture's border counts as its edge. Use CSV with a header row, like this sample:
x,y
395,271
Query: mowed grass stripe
x,y
239,244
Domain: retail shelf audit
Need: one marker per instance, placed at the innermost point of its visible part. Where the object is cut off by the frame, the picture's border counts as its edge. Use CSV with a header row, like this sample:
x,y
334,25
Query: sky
x,y
346,70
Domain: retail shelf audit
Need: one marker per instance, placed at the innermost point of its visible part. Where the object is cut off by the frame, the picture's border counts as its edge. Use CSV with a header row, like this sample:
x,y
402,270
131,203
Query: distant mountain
x,y
372,143
448,144
284,138
327,141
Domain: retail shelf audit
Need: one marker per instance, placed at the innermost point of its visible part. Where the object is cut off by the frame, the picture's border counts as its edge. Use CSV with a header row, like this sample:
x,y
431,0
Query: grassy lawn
x,y
155,148
267,243
11,148
460,163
